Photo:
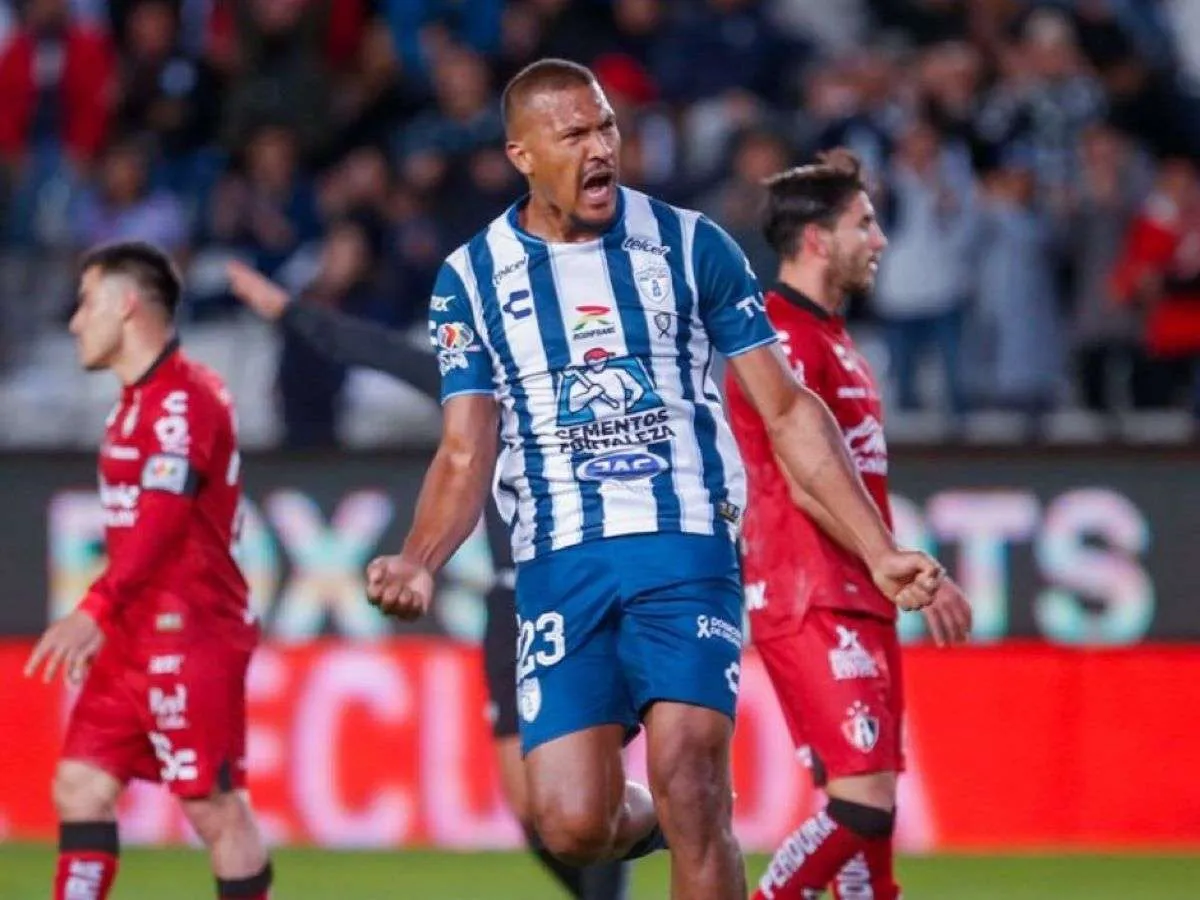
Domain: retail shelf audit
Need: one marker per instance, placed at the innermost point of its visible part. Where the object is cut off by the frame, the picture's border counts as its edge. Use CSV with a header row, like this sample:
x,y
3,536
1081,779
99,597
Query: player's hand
x,y
399,587
257,291
908,578
72,643
949,615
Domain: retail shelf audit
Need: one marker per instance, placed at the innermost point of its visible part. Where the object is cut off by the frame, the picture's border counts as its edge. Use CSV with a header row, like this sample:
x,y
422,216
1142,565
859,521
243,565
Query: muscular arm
x,y
813,508
813,454
357,342
455,488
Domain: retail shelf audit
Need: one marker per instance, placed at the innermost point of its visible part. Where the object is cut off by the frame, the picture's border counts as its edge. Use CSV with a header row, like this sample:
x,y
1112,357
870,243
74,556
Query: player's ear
x,y
519,157
816,240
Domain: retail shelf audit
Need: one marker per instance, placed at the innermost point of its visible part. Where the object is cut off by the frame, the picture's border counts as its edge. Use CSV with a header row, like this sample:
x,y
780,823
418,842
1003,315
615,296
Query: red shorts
x,y
171,712
838,681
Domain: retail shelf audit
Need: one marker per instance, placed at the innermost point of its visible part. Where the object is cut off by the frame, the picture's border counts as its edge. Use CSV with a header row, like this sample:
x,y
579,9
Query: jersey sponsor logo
x,y
171,429
755,593
853,393
519,304
861,728
868,446
169,710
592,322
440,304
511,269
752,306
165,665
176,764
730,512
166,473
799,846
607,404
623,465
849,359
715,627
653,280
122,452
644,245
850,659
84,878
120,504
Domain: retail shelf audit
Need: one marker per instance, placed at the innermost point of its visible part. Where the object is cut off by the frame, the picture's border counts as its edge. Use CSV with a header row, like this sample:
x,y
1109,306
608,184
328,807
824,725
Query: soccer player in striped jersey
x,y
577,331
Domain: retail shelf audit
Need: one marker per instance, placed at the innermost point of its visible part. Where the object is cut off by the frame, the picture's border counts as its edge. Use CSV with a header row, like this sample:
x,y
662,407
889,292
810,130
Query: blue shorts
x,y
608,627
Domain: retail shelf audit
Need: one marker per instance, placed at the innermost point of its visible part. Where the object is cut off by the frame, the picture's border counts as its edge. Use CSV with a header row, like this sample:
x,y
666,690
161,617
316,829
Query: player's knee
x,y
83,793
220,817
689,773
875,789
575,831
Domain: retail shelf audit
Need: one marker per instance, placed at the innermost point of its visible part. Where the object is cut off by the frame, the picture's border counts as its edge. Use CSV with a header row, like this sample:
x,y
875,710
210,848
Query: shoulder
x,y
194,386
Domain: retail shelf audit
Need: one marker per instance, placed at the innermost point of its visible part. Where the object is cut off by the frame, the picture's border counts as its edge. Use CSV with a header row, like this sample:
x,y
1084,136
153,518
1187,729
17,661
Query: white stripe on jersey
x,y
687,475
731,459
529,354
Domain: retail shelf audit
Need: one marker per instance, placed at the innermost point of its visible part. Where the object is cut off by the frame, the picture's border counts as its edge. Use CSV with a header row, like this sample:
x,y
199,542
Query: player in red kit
x,y
825,632
163,638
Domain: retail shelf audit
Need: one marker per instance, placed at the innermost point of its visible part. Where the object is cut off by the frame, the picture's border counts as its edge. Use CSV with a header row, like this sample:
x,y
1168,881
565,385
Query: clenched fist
x,y
908,578
399,587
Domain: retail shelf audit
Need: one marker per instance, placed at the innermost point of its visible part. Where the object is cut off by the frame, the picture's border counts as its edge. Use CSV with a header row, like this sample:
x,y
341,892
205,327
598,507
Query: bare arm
x,y
812,508
455,488
451,502
809,444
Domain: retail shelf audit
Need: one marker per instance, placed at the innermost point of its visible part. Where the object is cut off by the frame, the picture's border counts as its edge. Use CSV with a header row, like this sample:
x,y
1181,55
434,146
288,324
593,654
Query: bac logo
x,y
625,465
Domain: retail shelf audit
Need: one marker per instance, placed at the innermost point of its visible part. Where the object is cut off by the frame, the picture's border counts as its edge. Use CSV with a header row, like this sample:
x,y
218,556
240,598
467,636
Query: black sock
x,y
866,821
83,837
606,881
255,886
569,877
651,843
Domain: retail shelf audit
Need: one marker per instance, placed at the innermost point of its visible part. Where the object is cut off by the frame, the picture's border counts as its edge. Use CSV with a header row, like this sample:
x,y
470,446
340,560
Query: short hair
x,y
815,194
550,74
150,268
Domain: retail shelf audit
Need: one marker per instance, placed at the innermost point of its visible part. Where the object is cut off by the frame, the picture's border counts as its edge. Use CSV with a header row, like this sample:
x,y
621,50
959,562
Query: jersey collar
x,y
167,351
803,301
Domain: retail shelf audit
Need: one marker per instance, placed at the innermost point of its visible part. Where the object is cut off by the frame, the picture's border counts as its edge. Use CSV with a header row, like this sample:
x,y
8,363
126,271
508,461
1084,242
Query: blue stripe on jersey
x,y
553,332
637,343
535,464
671,230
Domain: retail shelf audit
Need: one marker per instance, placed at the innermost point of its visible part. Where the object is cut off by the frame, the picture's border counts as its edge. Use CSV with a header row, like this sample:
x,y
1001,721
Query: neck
x,y
813,283
139,352
542,220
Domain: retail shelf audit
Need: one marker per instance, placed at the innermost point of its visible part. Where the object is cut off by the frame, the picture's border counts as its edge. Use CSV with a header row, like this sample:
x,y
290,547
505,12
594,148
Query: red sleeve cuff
x,y
97,606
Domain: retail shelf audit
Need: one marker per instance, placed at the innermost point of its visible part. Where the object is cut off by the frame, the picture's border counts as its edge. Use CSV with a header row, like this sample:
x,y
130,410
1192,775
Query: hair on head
x,y
813,194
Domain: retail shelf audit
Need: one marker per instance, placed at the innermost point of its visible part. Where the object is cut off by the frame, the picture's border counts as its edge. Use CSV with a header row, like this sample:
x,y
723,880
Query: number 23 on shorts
x,y
547,632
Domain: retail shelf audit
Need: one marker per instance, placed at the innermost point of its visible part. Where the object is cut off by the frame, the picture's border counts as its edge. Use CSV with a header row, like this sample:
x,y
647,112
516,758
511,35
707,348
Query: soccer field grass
x,y
322,875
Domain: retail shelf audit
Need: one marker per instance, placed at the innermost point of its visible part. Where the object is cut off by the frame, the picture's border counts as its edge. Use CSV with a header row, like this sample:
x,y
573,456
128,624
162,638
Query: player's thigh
x,y
513,783
568,677
576,782
687,756
105,731
680,638
837,686
500,661
196,717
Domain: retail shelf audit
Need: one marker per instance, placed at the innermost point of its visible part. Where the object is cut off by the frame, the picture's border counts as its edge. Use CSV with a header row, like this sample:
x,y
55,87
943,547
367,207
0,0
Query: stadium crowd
x,y
1036,166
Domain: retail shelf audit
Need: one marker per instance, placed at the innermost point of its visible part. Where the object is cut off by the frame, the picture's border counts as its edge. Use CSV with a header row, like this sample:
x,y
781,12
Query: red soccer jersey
x,y
789,563
170,484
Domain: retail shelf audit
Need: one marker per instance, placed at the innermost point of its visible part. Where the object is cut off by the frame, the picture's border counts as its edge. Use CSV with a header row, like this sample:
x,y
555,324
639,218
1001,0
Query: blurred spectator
x,y
166,94
1159,272
310,383
465,118
279,55
737,203
1104,334
56,92
417,26
1016,352
1046,99
925,277
123,207
265,210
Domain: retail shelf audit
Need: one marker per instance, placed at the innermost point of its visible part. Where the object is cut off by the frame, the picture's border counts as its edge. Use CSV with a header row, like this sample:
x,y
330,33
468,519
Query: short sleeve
x,y
731,302
464,364
180,443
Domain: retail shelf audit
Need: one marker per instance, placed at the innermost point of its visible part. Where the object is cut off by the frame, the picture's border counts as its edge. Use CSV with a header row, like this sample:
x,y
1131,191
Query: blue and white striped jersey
x,y
600,356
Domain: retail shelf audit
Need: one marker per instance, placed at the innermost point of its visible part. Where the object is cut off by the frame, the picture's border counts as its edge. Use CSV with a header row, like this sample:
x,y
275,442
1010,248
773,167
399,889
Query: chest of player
x,y
605,320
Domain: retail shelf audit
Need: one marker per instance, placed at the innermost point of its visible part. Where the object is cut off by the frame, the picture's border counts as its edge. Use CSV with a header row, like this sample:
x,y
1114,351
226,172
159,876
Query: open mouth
x,y
598,186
